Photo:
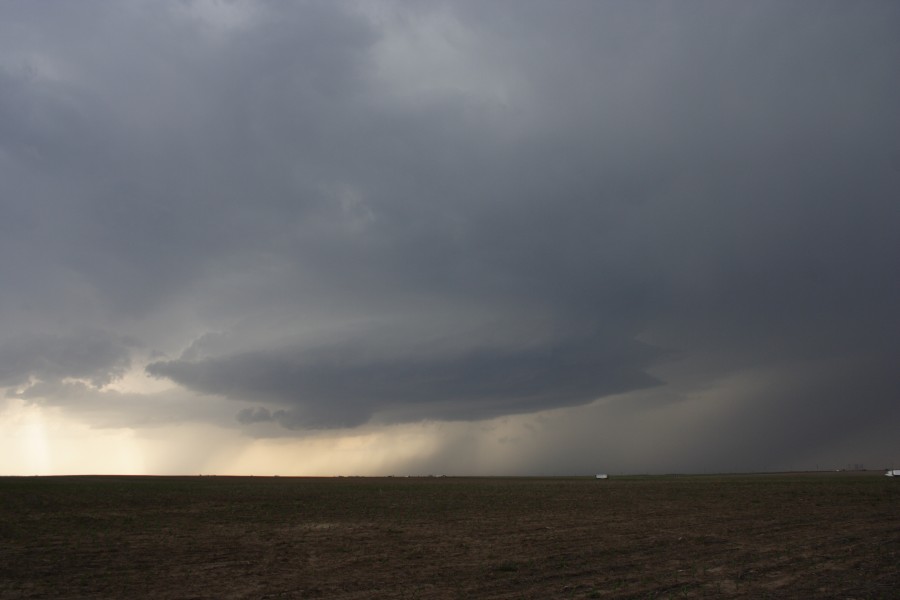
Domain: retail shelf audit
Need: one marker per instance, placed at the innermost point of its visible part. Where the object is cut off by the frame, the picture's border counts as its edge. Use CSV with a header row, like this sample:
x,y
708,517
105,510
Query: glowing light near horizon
x,y
36,440
33,454
371,453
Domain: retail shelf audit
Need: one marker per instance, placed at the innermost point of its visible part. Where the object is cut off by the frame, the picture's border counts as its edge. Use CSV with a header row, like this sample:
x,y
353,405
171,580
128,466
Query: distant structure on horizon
x,y
602,476
893,473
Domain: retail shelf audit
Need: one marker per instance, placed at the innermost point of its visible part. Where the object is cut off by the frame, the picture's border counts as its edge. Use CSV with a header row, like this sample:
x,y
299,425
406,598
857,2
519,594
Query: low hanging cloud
x,y
339,388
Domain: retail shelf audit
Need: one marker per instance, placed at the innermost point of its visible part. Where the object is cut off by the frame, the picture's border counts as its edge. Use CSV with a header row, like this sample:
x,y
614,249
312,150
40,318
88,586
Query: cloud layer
x,y
322,215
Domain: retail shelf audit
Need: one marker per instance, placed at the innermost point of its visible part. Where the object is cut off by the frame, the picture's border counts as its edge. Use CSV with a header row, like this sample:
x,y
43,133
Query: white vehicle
x,y
893,473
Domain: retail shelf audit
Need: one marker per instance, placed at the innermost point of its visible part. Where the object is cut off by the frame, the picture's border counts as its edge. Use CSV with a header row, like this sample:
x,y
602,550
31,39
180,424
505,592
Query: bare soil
x,y
763,536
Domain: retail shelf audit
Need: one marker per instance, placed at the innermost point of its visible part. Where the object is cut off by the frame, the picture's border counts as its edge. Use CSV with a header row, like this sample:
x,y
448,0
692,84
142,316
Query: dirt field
x,y
764,536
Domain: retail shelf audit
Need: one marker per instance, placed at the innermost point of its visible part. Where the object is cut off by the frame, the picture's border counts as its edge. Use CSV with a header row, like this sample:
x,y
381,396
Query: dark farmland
x,y
776,536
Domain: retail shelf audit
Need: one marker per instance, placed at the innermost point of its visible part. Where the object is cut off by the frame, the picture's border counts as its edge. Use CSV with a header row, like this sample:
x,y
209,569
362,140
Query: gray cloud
x,y
341,388
239,185
96,356
255,415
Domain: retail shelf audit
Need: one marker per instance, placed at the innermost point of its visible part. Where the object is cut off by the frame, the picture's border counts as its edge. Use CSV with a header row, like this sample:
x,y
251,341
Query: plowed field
x,y
762,536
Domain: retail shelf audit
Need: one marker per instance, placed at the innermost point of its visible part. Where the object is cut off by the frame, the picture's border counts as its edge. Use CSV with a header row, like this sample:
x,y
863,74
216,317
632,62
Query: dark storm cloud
x,y
142,169
92,355
717,181
341,388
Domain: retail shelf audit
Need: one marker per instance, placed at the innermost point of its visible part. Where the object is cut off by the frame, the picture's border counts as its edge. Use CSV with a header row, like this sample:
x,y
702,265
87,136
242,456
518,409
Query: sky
x,y
509,237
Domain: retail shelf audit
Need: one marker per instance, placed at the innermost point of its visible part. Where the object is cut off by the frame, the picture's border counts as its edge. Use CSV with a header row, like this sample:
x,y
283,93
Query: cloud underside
x,y
477,385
